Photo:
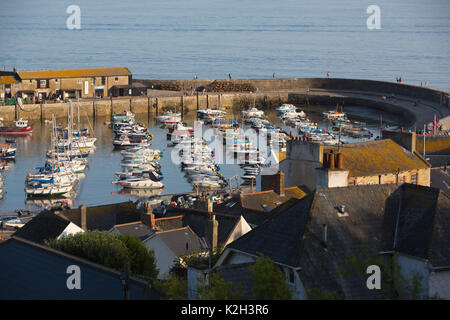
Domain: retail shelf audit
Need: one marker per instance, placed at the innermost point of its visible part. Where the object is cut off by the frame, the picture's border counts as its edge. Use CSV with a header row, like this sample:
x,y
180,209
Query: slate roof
x,y
105,217
256,207
378,157
33,271
268,200
440,178
357,218
138,229
182,241
239,275
74,73
424,225
46,225
196,220
169,223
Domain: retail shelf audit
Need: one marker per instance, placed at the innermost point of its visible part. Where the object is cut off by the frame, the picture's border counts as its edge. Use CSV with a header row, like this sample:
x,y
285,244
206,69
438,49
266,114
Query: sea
x,y
177,39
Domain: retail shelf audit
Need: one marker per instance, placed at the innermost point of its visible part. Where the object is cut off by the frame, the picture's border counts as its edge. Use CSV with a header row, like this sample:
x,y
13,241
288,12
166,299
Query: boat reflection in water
x,y
141,193
51,204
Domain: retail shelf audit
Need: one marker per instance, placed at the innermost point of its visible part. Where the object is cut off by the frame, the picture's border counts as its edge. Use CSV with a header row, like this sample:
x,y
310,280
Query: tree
x,y
142,261
218,289
394,284
268,281
173,286
110,250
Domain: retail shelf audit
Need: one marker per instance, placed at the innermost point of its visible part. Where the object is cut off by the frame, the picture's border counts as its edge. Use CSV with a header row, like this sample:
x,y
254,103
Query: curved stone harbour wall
x,y
293,90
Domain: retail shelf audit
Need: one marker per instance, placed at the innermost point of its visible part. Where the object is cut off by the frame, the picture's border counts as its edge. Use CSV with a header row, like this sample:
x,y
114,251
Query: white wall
x,y
165,258
71,228
241,228
411,266
439,284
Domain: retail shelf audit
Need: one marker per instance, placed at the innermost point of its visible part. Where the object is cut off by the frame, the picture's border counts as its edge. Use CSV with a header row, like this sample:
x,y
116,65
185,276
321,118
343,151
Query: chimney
x,y
339,160
326,160
211,230
331,160
15,69
273,182
149,216
83,210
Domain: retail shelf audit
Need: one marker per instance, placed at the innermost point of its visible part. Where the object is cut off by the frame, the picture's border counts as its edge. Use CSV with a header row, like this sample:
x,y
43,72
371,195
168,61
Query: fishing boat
x,y
20,127
7,151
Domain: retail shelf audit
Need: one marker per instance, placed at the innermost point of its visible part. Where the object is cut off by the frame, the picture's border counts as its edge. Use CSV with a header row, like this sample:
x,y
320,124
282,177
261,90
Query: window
x,y
42,83
31,81
351,183
56,80
402,179
103,80
93,81
414,178
79,80
116,79
290,276
16,86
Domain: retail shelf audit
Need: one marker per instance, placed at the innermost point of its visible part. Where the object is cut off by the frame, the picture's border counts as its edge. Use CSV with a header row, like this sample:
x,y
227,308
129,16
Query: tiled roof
x,y
378,157
74,73
196,220
8,79
182,241
169,222
424,225
268,200
356,218
105,217
44,226
138,229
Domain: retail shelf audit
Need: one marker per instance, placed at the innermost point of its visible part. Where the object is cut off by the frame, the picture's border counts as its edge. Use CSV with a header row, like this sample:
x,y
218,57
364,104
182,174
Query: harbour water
x,y
95,187
175,39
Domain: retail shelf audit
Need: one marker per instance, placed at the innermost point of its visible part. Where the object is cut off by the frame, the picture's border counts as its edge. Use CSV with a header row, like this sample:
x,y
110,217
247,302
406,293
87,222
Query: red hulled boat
x,y
20,127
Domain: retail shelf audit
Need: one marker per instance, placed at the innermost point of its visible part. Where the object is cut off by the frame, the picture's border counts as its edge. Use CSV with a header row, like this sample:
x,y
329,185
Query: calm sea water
x,y
95,187
175,39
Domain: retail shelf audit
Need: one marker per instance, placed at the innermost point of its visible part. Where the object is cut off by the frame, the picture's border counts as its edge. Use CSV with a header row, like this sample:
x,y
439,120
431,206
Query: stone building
x,y
70,83
374,162
9,84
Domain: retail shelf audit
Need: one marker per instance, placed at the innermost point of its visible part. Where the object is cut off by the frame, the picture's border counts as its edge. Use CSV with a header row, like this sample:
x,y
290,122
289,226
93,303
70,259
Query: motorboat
x,y
286,107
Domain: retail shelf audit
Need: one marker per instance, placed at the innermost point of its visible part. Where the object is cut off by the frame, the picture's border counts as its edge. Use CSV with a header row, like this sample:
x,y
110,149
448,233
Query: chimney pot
x,y
331,160
339,160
